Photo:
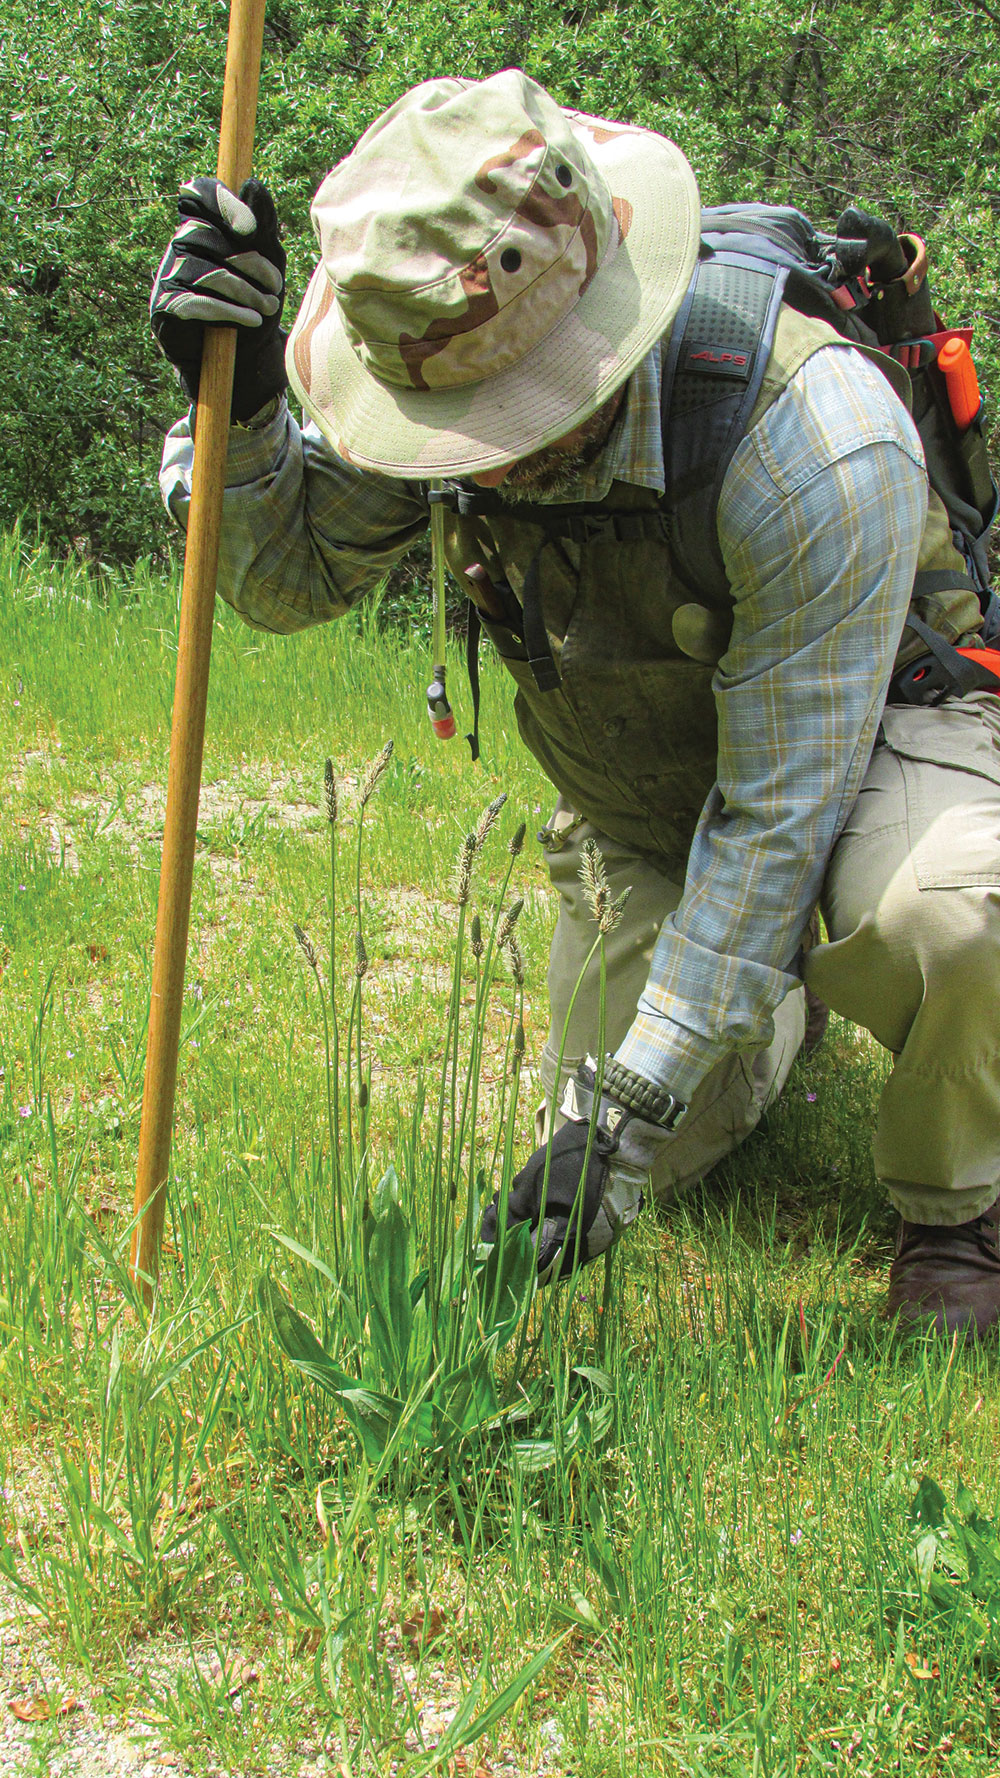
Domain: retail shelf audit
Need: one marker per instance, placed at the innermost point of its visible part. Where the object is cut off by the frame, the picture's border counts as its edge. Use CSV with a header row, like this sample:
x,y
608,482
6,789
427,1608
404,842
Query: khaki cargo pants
x,y
911,903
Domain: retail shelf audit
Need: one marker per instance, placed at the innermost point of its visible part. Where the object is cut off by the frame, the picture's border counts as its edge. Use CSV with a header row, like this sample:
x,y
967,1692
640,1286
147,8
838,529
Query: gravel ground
x,y
77,1735
73,1736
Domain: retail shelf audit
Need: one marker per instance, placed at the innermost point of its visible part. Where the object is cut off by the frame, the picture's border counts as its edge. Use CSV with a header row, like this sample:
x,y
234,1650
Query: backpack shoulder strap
x,y
718,353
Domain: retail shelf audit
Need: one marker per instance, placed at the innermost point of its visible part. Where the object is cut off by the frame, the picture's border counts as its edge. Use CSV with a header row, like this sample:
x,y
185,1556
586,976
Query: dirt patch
x,y
44,1705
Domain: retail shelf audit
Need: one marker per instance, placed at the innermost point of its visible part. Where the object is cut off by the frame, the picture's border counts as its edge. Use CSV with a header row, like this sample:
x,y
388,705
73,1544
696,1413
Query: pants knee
x,y
916,944
949,936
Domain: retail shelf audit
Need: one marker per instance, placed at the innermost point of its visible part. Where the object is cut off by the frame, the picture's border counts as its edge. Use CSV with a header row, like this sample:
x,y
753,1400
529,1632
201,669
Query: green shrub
x,y
105,108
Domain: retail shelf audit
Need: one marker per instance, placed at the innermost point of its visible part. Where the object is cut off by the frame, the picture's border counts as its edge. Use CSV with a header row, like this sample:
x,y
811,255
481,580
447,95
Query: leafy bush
x,y
107,107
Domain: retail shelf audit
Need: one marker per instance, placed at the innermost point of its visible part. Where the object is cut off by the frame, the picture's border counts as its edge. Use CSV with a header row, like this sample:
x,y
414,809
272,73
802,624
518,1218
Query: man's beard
x,y
551,472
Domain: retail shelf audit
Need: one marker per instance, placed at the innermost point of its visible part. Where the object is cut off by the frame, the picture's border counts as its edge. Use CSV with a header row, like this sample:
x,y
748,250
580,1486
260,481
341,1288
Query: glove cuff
x,y
259,373
263,418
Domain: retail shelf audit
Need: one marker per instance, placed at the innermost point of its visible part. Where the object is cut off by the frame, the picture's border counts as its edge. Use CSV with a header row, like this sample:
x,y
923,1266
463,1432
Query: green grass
x,y
710,1536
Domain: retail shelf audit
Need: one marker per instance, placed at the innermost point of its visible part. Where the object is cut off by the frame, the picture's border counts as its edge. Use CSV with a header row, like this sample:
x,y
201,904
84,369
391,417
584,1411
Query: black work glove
x,y
581,1224
225,265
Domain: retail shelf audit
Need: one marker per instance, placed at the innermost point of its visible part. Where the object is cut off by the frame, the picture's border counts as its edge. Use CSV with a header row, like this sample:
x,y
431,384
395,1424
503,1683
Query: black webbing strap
x,y
944,672
963,672
536,636
471,503
575,522
472,636
928,581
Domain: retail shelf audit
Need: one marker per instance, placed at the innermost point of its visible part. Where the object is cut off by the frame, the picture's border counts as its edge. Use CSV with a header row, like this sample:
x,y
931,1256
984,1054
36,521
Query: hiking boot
x,y
948,1279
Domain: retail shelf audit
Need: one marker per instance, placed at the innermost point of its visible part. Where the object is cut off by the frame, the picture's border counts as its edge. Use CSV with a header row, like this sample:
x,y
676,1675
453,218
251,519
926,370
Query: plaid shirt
x,y
820,522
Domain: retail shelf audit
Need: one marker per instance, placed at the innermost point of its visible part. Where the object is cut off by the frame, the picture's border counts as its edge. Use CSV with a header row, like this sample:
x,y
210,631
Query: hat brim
x,y
629,303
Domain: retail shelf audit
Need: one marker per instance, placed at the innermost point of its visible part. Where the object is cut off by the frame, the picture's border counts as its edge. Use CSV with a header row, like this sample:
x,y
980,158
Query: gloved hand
x,y
579,1225
224,265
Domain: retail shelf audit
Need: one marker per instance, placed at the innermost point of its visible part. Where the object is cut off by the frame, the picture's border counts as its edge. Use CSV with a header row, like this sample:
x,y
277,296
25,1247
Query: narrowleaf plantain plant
x,y
426,1329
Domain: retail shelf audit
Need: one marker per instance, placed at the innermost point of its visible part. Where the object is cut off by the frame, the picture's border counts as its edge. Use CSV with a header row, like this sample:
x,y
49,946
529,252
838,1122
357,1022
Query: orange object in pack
x,y
955,364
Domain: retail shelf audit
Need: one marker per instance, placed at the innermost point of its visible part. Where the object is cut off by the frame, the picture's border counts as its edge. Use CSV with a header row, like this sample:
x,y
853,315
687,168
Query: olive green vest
x,y
629,735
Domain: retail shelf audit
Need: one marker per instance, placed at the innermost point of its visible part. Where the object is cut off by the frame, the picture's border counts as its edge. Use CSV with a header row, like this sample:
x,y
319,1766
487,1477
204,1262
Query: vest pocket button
x,y
613,727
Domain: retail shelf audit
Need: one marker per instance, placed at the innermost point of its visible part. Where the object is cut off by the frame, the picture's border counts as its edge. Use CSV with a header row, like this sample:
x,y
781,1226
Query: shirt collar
x,y
634,451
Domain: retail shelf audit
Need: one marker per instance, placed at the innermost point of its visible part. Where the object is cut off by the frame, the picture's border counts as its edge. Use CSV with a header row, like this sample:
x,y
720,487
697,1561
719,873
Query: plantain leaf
x,y
296,1338
388,1263
372,1415
531,1455
374,1418
466,1399
928,1506
507,1285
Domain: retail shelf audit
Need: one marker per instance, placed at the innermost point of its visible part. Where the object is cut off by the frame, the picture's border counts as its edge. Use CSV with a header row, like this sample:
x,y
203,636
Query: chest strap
x,y
472,635
576,523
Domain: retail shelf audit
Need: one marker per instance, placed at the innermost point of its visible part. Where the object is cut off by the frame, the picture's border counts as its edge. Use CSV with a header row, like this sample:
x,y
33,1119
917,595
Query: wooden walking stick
x,y
187,735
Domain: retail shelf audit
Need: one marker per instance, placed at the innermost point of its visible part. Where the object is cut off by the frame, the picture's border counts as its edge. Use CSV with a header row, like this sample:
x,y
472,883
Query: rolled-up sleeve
x,y
820,525
304,534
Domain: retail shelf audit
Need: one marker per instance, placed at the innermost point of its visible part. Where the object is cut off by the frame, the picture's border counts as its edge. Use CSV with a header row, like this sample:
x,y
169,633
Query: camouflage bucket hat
x,y
492,268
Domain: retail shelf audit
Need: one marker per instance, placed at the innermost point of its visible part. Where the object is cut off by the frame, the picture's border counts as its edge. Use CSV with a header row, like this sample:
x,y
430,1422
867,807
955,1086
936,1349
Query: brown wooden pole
x,y
187,736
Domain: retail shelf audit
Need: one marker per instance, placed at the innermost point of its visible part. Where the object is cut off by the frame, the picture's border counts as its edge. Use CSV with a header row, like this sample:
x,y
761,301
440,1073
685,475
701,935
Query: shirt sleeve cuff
x,y
718,1006
664,1052
254,449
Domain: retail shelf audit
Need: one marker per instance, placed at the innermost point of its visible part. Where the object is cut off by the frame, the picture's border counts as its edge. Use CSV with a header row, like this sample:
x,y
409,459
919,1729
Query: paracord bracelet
x,y
639,1095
